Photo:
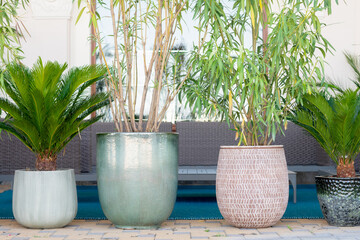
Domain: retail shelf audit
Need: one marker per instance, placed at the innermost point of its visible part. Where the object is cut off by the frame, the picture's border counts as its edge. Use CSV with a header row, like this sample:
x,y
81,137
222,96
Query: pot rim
x,y
33,170
338,178
137,133
252,147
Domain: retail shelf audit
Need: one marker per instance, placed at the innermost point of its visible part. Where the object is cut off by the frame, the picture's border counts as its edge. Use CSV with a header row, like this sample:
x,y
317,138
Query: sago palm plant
x,y
335,123
46,107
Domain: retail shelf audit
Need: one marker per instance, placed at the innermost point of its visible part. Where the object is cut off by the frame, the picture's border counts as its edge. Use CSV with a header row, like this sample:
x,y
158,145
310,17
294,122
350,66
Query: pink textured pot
x,y
252,186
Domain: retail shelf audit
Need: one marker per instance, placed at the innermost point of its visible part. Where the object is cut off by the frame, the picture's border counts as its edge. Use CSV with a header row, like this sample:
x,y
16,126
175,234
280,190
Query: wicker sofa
x,y
199,144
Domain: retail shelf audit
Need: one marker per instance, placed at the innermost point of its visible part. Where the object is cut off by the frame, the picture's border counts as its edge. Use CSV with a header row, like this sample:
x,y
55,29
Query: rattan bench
x,y
199,144
208,173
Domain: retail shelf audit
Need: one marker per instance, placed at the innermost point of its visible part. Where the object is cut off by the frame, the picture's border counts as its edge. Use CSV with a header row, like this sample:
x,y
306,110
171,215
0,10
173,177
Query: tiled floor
x,y
181,230
292,229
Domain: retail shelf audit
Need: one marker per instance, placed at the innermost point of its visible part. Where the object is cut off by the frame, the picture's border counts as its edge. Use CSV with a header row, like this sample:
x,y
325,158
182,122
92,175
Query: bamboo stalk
x,y
121,99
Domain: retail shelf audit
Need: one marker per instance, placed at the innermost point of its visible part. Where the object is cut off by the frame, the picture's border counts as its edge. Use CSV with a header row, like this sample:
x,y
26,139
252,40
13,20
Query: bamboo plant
x,y
132,20
11,30
334,121
257,63
46,107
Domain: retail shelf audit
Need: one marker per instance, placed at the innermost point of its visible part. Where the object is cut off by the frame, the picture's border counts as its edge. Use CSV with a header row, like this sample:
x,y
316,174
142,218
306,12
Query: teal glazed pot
x,y
137,177
44,199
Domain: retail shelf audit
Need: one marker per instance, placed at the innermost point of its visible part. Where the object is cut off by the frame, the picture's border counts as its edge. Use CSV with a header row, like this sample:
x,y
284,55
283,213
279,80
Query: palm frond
x,y
334,122
48,107
72,132
354,63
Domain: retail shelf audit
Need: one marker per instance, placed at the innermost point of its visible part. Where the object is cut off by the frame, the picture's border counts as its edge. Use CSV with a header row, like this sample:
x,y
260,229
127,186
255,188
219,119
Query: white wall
x,y
53,33
343,32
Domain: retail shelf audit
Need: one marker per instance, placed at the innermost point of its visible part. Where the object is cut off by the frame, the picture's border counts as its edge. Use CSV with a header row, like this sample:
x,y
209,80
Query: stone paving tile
x,y
118,235
295,234
197,227
202,233
346,238
330,231
96,233
292,229
242,231
182,221
182,233
316,238
268,236
347,235
330,227
289,224
166,235
176,237
219,238
324,234
226,238
312,221
147,235
182,224
350,229
49,238
198,223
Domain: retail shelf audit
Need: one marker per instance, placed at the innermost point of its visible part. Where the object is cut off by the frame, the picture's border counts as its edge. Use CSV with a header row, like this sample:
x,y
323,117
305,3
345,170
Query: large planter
x,y
339,200
252,186
44,199
137,177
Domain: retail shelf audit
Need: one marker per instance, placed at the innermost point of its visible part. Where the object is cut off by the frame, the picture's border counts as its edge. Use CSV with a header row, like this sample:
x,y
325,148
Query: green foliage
x,y
249,77
333,120
10,30
47,106
134,64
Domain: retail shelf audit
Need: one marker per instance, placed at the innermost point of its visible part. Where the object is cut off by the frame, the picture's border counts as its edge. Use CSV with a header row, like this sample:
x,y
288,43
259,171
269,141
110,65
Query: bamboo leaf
x,y
80,14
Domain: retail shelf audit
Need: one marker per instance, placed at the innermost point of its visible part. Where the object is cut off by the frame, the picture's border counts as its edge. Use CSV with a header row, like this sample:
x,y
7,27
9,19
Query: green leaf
x,y
47,106
80,13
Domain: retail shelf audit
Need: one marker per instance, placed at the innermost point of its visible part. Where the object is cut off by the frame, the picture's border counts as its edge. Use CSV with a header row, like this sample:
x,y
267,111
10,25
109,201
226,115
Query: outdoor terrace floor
x,y
299,229
181,230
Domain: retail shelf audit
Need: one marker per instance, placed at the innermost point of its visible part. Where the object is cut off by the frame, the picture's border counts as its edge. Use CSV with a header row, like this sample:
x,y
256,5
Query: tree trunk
x,y
46,162
345,169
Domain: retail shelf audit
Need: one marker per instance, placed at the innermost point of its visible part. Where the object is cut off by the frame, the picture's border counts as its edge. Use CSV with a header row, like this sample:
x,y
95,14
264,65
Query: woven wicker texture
x,y
252,186
14,155
199,142
301,148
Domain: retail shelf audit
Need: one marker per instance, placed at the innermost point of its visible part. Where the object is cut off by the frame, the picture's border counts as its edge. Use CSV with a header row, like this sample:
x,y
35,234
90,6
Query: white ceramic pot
x,y
252,186
44,199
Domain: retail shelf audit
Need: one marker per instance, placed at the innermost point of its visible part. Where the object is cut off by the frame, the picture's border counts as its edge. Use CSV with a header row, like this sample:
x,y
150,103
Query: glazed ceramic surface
x,y
252,185
137,177
339,200
44,199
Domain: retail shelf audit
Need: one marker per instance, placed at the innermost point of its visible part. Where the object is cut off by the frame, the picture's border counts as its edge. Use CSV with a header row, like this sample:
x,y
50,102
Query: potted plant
x,y
137,167
45,109
334,121
255,65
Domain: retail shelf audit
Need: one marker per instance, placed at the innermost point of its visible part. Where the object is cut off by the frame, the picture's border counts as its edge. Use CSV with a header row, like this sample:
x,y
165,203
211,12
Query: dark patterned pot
x,y
339,200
